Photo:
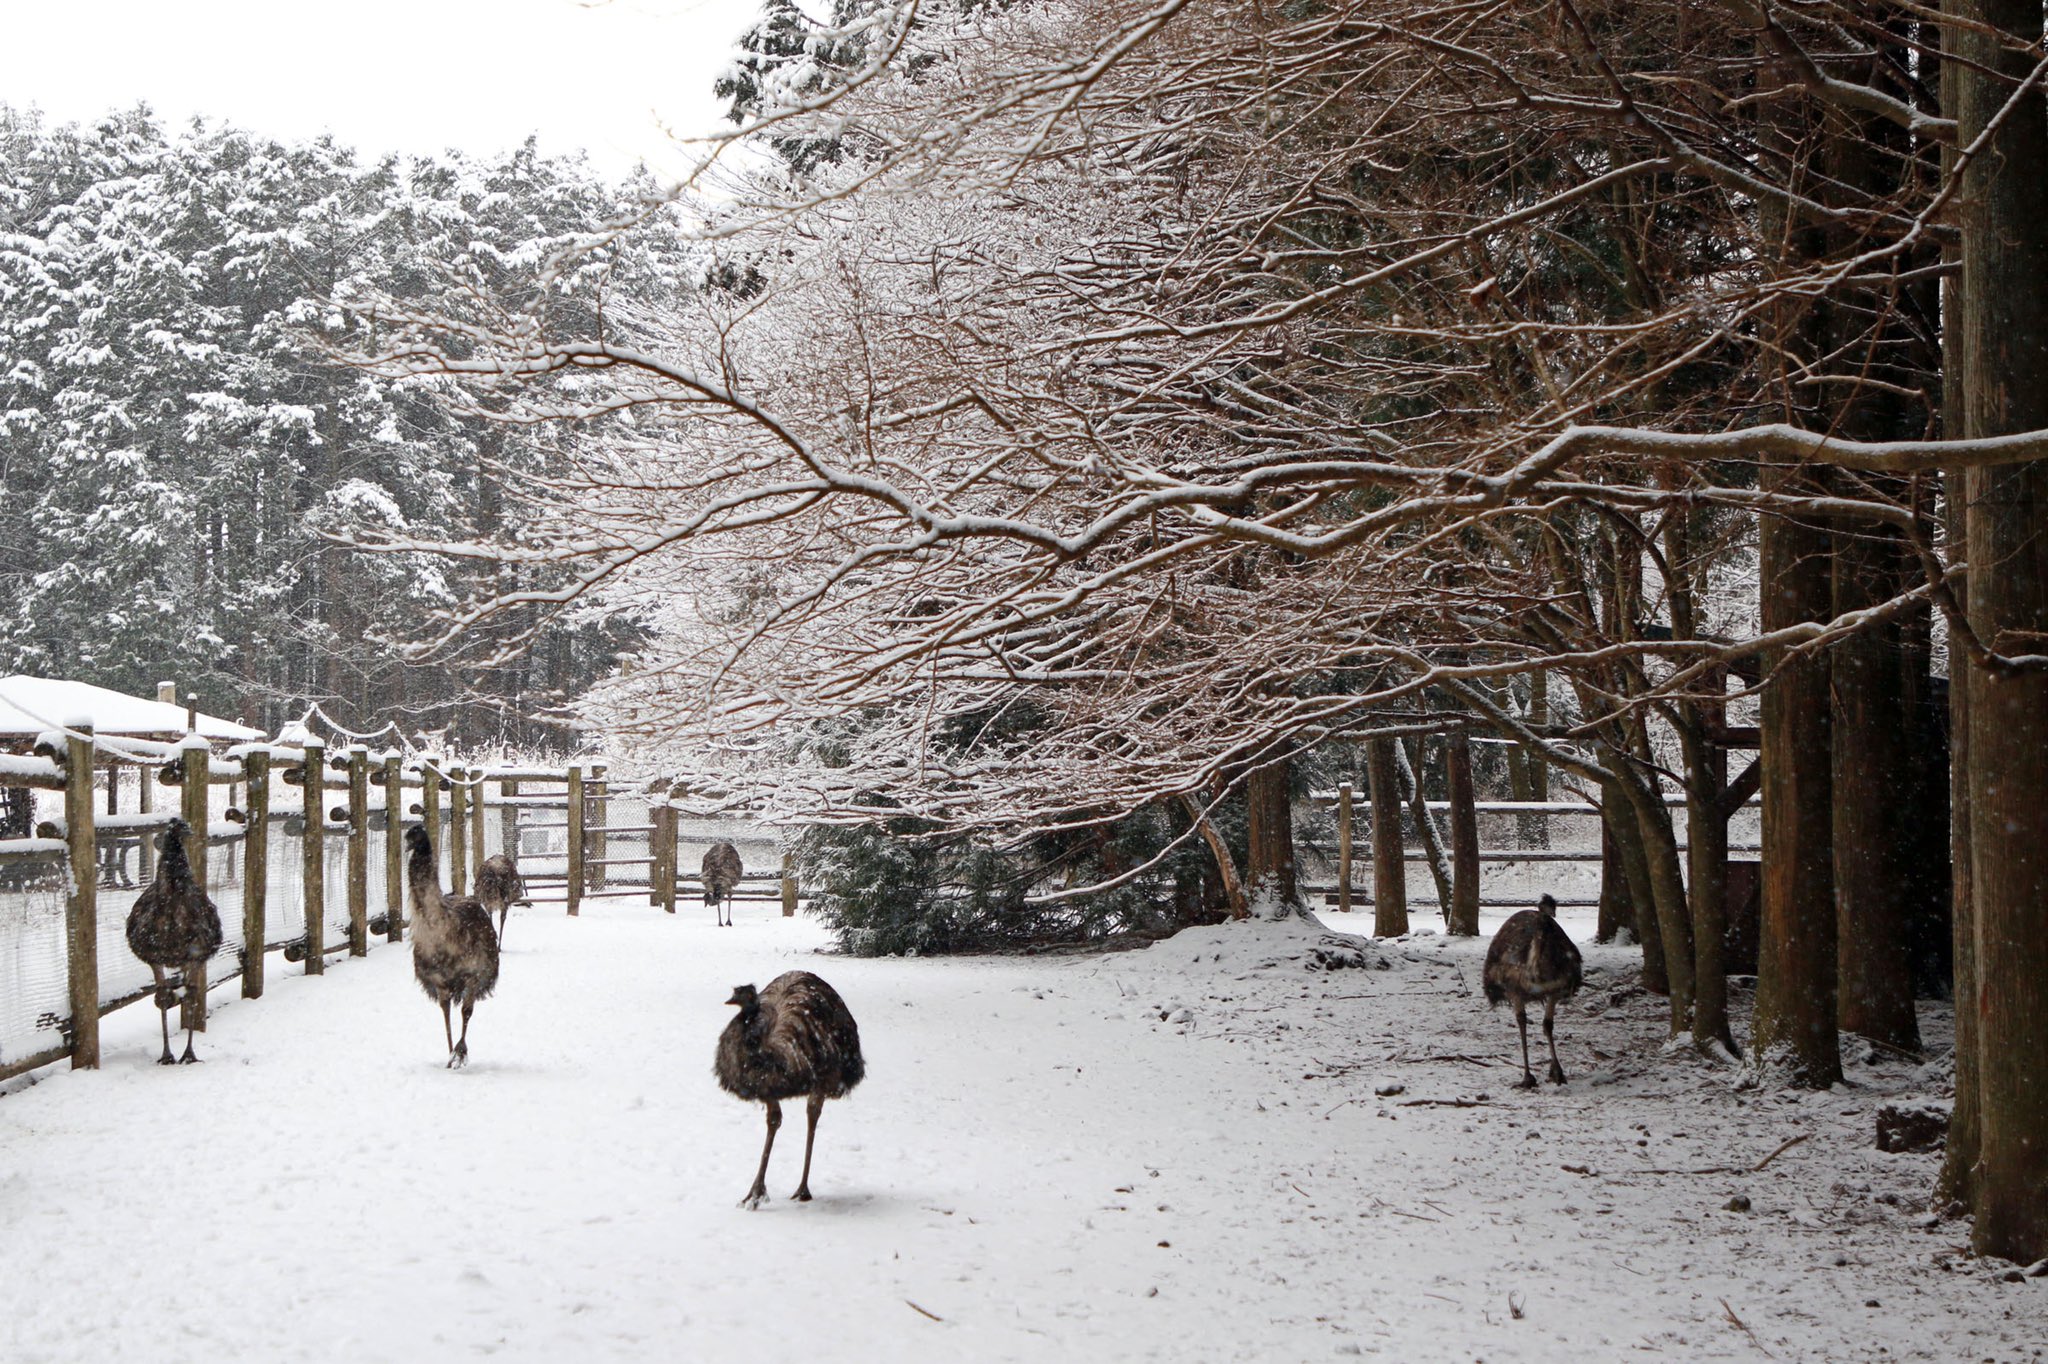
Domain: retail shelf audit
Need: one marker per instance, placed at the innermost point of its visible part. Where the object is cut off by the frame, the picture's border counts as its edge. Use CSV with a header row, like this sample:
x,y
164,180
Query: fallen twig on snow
x,y
1745,1325
936,1317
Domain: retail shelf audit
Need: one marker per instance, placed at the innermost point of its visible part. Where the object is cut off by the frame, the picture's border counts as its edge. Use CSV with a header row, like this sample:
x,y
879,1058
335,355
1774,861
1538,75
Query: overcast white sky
x,y
387,75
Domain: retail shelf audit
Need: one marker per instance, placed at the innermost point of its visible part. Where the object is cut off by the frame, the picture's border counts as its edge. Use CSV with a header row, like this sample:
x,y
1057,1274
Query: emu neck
x,y
174,869
426,885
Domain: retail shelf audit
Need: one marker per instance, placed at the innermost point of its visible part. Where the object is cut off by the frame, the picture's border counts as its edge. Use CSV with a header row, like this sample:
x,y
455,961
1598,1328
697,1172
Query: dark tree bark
x,y
1389,869
1795,991
1269,859
2002,347
1617,906
1463,917
1873,778
1618,813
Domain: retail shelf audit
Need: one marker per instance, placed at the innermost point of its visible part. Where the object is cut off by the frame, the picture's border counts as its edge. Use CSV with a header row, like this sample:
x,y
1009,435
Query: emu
x,y
454,951
499,886
721,872
174,926
1532,959
796,1037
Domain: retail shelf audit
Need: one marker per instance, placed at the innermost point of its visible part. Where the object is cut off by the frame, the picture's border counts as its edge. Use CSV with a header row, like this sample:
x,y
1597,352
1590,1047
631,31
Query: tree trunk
x,y
1463,918
1795,988
1706,836
1269,841
1219,850
1618,812
1410,771
1666,897
1872,779
1389,867
2003,351
1617,905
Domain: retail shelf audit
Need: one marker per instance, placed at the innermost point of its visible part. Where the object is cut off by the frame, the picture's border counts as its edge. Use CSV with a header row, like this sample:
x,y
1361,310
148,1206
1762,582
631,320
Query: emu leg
x,y
448,1030
1550,1036
164,1000
194,978
811,1111
1528,1080
759,1192
461,1057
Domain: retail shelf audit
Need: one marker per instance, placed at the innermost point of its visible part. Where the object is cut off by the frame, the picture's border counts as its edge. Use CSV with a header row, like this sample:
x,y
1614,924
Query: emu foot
x,y
167,1059
1556,1073
802,1194
459,1058
189,1058
1527,1081
756,1196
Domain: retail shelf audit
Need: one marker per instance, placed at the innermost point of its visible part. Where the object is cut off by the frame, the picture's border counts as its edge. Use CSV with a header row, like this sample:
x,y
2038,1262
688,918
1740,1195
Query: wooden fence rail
x,y
370,794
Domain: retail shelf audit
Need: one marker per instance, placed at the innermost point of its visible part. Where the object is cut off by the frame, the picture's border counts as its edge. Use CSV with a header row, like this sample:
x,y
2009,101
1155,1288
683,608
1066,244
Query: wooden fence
x,y
349,795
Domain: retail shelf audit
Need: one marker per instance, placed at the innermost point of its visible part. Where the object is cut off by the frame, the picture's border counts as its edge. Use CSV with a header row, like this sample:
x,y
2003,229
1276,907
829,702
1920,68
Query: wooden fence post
x,y
358,851
1344,811
394,849
661,875
255,871
575,840
315,844
1463,920
458,831
788,885
82,909
195,764
430,806
145,857
600,843
476,821
508,818
1389,867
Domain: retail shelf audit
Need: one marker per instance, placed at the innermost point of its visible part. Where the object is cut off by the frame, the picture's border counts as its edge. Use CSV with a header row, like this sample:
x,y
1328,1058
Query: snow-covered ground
x,y
1177,1154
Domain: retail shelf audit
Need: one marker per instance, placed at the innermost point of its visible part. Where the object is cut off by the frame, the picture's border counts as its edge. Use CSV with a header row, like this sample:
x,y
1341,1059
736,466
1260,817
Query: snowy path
x,y
1037,1159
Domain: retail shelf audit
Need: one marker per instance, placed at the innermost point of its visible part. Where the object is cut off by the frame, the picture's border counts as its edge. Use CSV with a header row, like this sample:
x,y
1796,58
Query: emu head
x,y
1547,907
173,844
744,996
417,843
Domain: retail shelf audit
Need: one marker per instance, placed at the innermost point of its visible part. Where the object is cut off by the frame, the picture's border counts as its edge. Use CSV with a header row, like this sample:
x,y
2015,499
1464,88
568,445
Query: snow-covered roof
x,y
32,705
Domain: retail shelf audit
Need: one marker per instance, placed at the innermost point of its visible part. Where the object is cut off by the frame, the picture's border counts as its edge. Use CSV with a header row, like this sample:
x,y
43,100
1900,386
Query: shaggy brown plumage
x,y
1532,959
797,1037
720,872
454,951
499,886
174,927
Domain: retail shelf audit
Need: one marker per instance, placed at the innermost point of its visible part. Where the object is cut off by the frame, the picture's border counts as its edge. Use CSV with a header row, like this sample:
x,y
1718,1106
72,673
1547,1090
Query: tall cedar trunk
x,y
2003,349
1706,836
1269,848
1872,758
1534,830
1389,867
1619,814
1795,986
1462,919
1952,1188
1667,897
1706,778
1617,905
1874,880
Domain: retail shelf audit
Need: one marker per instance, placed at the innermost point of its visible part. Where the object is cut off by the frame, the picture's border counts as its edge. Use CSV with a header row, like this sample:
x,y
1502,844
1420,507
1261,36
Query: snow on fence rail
x,y
302,857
